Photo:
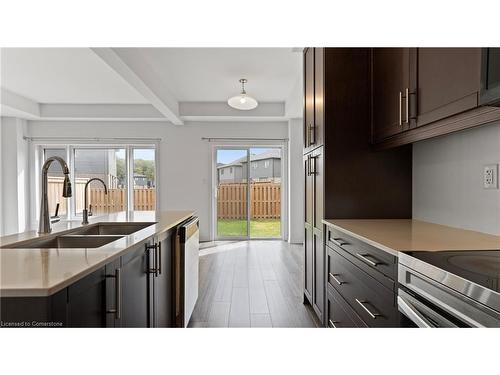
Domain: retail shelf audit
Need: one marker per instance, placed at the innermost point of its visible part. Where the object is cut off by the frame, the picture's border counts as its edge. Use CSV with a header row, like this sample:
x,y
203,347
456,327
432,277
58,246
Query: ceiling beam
x,y
15,105
138,76
221,111
102,112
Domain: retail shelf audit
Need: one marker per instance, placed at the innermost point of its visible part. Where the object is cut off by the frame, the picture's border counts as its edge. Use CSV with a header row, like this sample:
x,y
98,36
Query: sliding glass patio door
x,y
248,192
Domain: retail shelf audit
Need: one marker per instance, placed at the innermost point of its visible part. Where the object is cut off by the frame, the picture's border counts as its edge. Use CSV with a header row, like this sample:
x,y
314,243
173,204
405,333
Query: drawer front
x,y
340,314
370,256
371,300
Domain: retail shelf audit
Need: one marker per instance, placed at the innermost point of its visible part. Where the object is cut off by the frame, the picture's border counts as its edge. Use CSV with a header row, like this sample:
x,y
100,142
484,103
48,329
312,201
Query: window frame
x,y
38,148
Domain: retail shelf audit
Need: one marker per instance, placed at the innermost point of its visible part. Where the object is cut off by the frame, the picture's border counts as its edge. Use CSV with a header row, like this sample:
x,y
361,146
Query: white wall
x,y
185,159
15,179
448,180
296,182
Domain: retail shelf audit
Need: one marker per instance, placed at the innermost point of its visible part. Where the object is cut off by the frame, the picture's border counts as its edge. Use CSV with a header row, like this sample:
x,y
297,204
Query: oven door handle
x,y
412,313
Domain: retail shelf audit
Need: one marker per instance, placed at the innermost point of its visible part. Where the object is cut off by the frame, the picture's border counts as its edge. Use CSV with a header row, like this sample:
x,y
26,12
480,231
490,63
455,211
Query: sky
x,y
145,154
225,156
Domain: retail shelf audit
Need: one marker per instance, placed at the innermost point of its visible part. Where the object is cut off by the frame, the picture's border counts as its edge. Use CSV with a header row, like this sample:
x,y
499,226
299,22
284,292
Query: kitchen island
x,y
127,282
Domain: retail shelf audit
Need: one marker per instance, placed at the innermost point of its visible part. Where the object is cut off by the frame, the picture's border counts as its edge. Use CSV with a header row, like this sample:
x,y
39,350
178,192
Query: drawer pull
x,y
332,323
364,258
362,304
340,241
334,278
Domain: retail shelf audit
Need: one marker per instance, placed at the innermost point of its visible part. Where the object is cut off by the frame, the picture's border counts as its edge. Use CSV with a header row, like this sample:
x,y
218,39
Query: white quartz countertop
x,y
43,272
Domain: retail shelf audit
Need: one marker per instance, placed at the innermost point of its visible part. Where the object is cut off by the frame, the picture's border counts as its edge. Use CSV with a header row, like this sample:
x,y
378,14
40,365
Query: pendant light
x,y
243,101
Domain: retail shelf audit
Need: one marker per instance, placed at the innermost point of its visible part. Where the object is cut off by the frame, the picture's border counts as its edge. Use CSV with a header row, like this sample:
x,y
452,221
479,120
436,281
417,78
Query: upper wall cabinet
x,y
314,98
448,82
391,83
420,93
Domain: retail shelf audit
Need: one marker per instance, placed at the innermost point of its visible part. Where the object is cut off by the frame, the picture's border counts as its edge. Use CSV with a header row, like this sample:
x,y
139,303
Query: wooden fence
x,y
265,200
115,200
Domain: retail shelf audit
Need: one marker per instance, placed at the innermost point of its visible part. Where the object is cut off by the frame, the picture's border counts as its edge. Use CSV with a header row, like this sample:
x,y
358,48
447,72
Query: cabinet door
x,y
308,263
448,82
135,288
317,173
163,283
318,273
308,96
390,82
317,132
86,306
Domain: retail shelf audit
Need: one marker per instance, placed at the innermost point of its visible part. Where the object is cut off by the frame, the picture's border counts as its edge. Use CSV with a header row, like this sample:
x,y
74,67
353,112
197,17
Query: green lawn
x,y
258,228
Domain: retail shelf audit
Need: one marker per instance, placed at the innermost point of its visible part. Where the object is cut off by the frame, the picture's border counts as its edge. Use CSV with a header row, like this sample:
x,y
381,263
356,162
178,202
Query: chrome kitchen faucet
x,y
45,219
85,211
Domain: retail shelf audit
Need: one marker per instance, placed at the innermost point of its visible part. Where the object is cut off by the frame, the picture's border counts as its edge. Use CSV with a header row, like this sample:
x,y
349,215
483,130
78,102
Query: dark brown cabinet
x,y
313,233
313,95
421,93
343,177
391,88
448,82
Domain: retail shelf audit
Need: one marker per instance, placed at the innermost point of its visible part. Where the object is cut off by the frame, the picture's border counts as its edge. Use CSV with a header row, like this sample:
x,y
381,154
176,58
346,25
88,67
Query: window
x,y
128,171
222,171
144,179
108,165
255,165
266,164
231,170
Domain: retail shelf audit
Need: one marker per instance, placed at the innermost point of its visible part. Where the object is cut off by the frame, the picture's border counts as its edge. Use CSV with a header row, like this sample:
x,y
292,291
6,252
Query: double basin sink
x,y
91,236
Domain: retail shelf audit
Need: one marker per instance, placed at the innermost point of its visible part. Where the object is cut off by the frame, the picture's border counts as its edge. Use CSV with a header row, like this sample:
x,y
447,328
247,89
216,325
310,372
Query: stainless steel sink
x,y
111,228
65,241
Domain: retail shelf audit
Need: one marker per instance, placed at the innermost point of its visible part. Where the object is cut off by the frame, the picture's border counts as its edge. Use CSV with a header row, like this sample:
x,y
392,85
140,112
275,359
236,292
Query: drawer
x,y
339,313
370,256
372,301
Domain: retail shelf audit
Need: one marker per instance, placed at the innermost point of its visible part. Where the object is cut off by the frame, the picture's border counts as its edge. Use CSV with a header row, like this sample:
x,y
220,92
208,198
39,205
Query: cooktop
x,y
480,267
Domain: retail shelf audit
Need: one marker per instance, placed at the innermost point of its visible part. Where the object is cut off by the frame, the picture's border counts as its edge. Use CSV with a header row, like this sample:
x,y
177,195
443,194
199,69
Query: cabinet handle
x,y
362,304
340,242
118,294
332,323
400,108
334,278
154,247
313,163
159,258
364,258
308,165
407,107
312,134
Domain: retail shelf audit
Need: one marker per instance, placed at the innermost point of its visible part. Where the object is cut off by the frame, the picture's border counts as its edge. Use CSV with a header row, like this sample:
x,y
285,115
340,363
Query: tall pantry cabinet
x,y
344,178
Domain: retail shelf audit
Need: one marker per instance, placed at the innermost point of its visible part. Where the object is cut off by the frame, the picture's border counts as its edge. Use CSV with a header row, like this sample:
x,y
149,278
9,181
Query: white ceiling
x,y
159,79
63,75
212,74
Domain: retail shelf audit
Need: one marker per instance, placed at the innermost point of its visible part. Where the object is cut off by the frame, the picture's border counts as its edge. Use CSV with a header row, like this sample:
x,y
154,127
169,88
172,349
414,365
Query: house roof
x,y
274,153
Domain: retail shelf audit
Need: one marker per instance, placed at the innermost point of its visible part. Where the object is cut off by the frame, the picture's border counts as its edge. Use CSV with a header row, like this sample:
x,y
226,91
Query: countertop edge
x,y
362,238
49,291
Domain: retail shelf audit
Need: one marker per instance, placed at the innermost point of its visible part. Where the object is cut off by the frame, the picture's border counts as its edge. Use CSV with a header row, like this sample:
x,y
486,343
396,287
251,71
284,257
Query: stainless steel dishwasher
x,y
187,247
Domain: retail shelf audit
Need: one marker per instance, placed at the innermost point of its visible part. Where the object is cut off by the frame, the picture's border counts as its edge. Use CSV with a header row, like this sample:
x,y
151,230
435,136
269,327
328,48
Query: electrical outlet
x,y
490,177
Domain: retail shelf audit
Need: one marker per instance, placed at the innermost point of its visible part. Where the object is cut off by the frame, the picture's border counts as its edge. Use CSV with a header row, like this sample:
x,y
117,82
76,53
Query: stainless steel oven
x,y
450,289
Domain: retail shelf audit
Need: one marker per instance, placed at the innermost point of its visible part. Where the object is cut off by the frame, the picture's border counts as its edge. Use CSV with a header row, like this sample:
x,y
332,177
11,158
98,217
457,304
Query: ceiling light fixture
x,y
243,101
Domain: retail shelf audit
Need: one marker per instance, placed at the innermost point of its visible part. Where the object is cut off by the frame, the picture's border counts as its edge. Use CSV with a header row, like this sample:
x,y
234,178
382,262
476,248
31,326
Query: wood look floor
x,y
251,284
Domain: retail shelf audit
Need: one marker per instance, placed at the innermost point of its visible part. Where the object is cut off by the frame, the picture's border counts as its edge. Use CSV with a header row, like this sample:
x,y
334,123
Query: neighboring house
x,y
263,167
90,163
140,181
